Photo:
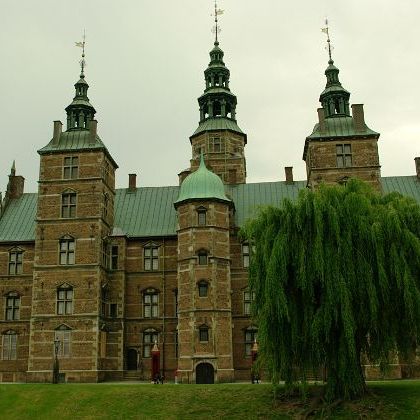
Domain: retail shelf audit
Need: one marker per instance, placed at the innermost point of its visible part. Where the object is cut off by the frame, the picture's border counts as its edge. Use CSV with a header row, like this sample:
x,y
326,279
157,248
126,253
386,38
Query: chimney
x,y
417,160
182,175
132,182
289,174
58,128
93,129
358,117
321,120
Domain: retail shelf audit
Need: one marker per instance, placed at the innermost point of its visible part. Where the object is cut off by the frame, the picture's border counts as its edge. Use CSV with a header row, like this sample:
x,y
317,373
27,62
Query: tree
x,y
336,276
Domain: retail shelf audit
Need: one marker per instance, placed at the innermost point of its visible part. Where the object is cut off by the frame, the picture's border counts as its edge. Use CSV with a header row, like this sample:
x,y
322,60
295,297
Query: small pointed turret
x,y
13,169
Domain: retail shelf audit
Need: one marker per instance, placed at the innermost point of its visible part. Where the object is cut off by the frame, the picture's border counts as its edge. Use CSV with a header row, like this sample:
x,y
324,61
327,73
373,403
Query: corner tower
x,y
218,135
341,145
74,219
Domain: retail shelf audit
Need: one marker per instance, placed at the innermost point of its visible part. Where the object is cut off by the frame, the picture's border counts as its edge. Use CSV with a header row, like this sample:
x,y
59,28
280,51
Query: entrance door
x,y
204,374
131,359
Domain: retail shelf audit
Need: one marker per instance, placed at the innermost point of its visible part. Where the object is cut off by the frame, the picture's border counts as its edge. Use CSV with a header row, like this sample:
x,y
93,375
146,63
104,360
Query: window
x,y
63,335
216,145
202,216
202,257
249,297
151,258
151,303
150,337
71,167
203,288
65,300
66,251
250,337
68,205
9,344
113,310
245,255
12,307
105,252
114,257
344,155
15,262
203,333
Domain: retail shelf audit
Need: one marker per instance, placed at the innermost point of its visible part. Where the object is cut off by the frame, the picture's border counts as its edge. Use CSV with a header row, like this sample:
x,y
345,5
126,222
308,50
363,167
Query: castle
x,y
108,273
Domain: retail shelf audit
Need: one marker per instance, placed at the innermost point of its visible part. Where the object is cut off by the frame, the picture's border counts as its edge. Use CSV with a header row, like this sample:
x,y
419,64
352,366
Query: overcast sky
x,y
145,64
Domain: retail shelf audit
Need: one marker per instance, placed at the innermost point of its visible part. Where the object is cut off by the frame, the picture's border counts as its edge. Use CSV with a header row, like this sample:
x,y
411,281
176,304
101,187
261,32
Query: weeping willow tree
x,y
336,277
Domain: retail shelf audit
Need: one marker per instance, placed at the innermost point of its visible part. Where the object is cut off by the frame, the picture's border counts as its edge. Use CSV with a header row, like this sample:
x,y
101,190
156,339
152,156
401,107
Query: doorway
x,y
204,374
131,359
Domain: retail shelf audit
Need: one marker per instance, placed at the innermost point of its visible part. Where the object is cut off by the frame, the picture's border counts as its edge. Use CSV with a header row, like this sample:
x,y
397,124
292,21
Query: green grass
x,y
392,400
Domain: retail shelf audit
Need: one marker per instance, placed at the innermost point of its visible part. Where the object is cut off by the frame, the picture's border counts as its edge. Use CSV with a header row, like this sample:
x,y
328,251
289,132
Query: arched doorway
x,y
131,359
204,374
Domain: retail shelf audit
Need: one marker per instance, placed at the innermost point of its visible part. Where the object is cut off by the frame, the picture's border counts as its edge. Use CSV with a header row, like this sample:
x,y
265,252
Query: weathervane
x,y
82,61
216,28
326,30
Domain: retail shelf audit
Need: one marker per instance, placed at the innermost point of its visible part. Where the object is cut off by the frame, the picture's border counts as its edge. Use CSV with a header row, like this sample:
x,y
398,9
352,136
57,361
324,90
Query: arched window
x,y
68,204
15,261
250,337
12,312
150,337
63,335
150,303
65,300
202,216
202,257
203,288
203,334
9,345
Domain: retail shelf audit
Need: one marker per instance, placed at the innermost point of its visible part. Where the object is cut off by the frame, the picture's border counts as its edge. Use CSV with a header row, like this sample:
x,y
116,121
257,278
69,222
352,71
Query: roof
x,y
202,184
220,123
342,126
73,141
149,211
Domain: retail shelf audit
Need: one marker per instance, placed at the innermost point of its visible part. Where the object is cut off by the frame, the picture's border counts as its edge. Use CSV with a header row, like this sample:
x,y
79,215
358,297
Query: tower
x,y
218,135
341,145
75,215
204,280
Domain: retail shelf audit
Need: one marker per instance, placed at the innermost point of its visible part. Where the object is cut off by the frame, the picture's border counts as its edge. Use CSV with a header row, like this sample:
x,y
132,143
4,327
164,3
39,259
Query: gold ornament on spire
x,y
82,61
326,30
216,28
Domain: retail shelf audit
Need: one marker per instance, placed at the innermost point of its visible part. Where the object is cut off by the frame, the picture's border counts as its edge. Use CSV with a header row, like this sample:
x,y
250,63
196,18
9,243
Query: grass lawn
x,y
392,400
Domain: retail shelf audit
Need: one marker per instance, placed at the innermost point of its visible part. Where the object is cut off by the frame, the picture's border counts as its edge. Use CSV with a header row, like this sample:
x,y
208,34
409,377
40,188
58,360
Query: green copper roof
x,y
149,211
202,184
340,126
215,124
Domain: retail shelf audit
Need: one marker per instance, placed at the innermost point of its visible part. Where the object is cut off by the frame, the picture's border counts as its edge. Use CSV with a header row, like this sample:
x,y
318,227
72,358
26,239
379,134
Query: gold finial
x,y
217,29
326,30
82,61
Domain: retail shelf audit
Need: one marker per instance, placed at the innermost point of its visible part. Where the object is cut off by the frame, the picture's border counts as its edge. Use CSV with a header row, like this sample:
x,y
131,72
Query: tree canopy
x,y
336,277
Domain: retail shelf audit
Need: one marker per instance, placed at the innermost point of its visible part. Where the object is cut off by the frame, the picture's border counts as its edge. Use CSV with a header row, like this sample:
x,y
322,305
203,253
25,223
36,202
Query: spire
x,y
13,169
80,112
334,98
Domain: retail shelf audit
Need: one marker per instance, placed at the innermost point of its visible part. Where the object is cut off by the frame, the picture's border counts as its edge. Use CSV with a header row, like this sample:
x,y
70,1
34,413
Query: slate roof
x,y
150,212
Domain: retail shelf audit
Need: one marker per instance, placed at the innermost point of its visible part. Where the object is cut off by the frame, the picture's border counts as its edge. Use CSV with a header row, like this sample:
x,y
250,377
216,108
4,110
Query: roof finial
x,y
82,61
326,30
216,28
13,169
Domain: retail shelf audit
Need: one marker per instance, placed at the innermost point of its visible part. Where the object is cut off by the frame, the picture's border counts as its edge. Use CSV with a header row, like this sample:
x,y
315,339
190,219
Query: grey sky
x,y
145,63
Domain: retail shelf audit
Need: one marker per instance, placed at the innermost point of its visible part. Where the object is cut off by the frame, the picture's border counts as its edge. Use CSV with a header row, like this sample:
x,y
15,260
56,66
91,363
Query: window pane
x,y
246,261
70,245
71,258
155,311
72,198
347,148
147,311
155,252
154,298
339,149
147,264
147,252
67,161
247,308
147,299
348,161
66,173
155,264
60,308
340,161
69,307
